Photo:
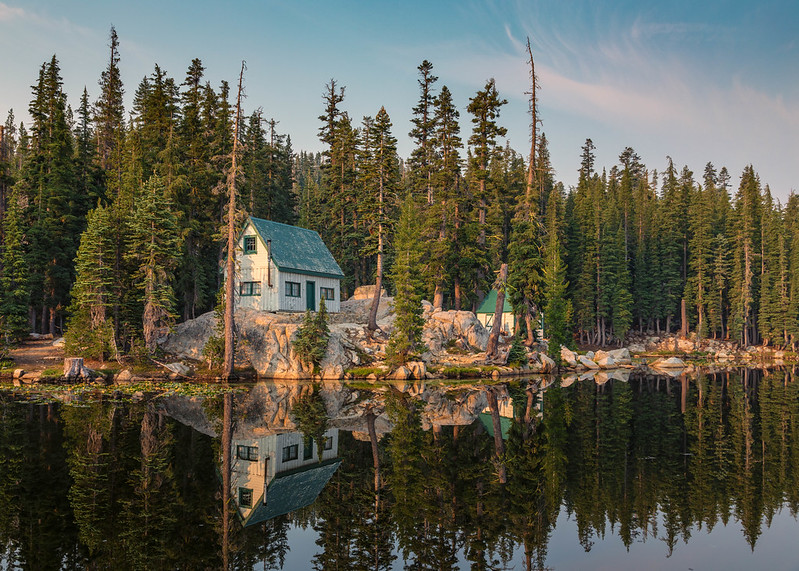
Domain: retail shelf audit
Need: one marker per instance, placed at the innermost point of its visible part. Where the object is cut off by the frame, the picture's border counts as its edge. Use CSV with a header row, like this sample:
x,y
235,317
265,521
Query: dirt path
x,y
37,355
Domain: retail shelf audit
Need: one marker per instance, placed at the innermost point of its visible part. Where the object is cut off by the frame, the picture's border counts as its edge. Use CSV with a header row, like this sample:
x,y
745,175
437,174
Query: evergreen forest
x,y
112,217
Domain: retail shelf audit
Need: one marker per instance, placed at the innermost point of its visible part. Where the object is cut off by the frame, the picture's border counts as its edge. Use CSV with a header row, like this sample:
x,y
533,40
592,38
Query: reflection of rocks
x,y
670,363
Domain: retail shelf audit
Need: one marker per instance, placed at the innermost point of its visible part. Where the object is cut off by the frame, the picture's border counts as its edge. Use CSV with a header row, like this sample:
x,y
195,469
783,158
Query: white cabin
x,y
285,268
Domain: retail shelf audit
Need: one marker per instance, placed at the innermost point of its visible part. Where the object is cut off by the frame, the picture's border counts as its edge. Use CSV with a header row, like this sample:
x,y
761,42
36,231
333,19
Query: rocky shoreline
x,y
455,341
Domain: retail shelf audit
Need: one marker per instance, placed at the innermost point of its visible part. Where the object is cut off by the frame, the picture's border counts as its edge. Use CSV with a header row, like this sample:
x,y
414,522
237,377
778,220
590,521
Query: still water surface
x,y
694,472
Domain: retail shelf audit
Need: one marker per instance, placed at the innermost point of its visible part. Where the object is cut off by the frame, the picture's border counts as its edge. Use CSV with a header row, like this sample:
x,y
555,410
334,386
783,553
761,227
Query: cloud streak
x,y
9,13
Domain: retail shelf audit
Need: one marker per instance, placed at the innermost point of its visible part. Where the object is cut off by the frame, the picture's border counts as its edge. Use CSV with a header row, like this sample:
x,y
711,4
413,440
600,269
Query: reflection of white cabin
x,y
285,268
277,474
485,313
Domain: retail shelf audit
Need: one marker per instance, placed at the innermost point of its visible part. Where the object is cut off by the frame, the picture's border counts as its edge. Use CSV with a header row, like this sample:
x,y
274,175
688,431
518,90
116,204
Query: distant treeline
x,y
110,219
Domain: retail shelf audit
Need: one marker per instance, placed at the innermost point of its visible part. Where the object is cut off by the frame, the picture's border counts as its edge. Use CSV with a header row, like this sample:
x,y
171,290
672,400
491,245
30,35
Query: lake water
x,y
692,472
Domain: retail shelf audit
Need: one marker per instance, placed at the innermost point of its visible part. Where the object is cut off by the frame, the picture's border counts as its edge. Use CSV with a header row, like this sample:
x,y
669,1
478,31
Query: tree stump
x,y
74,369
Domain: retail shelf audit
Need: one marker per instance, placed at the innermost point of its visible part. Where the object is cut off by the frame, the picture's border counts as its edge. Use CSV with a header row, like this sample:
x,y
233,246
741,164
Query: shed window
x,y
329,443
290,452
307,449
245,497
292,289
327,293
250,288
250,245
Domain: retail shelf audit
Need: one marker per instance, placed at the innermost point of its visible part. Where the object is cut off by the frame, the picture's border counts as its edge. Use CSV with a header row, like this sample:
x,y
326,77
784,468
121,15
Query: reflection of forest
x,y
116,484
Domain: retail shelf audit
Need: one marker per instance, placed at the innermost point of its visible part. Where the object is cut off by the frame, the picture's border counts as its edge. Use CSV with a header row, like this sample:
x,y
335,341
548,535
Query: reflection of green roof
x,y
489,304
488,423
293,490
297,249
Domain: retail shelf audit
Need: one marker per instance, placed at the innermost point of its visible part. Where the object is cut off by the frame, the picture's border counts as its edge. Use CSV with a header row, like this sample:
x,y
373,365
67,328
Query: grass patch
x,y
363,372
460,372
452,348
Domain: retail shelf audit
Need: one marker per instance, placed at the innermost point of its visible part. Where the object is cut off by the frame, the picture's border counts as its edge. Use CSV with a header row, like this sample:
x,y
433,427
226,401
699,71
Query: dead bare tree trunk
x,y
493,338
532,198
227,436
499,444
227,368
370,423
684,319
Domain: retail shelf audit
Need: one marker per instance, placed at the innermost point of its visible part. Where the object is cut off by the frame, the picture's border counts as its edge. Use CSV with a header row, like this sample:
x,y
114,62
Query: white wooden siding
x,y
298,303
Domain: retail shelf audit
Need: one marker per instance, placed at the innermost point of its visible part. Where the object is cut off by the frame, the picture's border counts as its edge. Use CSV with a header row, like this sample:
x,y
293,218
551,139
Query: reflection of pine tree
x,y
12,433
336,509
148,515
42,492
89,463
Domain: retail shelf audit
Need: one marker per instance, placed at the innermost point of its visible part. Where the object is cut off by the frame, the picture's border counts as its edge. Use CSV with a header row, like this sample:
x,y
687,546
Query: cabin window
x,y
250,245
292,289
250,288
329,443
249,453
291,452
307,449
327,293
245,497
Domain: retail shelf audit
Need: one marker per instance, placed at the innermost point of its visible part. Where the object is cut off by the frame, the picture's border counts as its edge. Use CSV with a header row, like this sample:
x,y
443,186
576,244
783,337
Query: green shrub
x,y
312,337
517,356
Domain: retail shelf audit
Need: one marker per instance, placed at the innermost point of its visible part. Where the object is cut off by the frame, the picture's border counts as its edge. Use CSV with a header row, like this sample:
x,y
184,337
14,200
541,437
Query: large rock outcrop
x,y
265,339
443,326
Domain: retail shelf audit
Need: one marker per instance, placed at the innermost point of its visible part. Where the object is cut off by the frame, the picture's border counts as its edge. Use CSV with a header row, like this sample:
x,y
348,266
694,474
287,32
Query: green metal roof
x,y
489,304
293,490
297,249
488,424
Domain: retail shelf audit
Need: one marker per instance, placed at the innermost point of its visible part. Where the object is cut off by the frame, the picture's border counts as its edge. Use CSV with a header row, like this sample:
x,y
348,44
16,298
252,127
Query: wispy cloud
x,y
665,85
8,13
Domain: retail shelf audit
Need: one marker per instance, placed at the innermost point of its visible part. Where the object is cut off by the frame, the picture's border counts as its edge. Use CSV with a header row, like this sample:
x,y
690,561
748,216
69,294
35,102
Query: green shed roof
x,y
489,304
297,249
488,424
293,490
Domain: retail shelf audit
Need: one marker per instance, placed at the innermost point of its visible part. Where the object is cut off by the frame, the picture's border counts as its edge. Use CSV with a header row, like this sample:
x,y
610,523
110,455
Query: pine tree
x,y
15,295
484,107
109,118
406,337
557,306
773,302
154,248
90,331
47,184
700,246
422,158
449,208
746,247
380,167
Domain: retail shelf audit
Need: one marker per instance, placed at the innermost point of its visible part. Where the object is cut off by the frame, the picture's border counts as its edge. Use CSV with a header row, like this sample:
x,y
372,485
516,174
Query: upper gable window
x,y
250,245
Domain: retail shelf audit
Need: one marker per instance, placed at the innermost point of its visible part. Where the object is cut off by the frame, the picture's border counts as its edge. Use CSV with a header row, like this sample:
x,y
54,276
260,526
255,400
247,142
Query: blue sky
x,y
699,82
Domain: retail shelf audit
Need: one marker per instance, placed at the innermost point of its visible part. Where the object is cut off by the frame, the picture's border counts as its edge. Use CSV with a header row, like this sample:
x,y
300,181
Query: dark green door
x,y
310,295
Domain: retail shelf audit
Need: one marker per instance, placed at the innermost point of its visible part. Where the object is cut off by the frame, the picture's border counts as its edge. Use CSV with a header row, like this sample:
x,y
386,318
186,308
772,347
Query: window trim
x,y
248,453
243,493
290,453
245,249
291,287
252,289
